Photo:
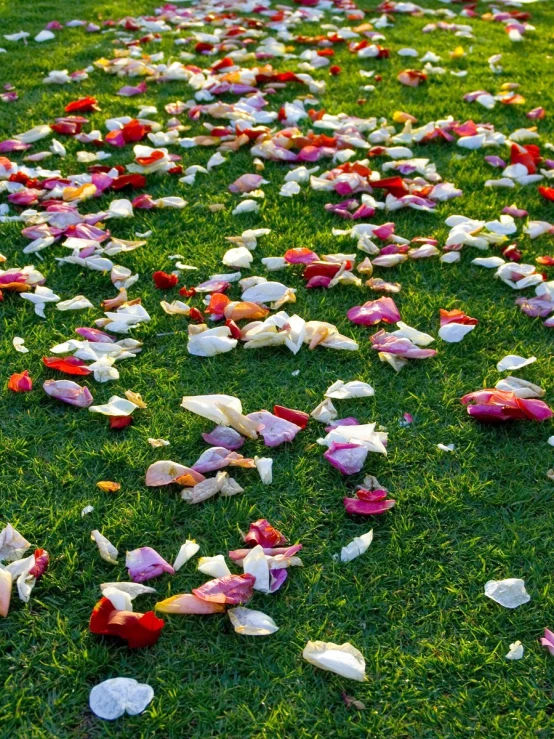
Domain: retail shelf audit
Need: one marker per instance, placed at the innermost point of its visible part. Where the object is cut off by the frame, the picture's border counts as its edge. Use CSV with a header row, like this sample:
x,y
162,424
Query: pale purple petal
x,y
347,458
145,563
224,436
68,392
212,459
274,430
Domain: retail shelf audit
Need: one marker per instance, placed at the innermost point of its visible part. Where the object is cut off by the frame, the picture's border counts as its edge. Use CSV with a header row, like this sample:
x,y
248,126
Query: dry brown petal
x,y
351,702
106,486
197,328
240,423
214,207
207,140
135,398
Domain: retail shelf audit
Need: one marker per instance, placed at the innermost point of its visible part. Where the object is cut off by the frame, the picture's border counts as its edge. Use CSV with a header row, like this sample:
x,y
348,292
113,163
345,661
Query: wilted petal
x,y
324,412
12,544
263,533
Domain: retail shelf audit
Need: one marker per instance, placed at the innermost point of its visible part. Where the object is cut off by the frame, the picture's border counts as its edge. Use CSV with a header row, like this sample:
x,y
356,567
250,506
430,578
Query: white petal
x,y
255,563
343,659
516,651
116,406
340,390
18,345
509,593
514,362
187,550
454,332
132,589
264,466
214,566
324,412
251,623
107,550
118,598
356,547
112,698
207,406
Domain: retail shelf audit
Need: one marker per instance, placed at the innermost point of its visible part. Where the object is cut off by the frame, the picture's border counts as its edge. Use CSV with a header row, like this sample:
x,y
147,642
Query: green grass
x,y
414,604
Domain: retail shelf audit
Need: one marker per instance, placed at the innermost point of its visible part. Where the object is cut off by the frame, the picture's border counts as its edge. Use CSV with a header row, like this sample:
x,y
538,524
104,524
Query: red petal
x,y
84,105
120,422
69,365
137,629
98,623
41,563
288,414
262,532
164,281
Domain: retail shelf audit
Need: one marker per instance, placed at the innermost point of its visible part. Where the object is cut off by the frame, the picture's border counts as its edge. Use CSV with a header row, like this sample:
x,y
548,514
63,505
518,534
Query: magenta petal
x,y
213,286
349,421
318,281
129,91
231,589
384,342
277,579
385,231
94,335
367,508
375,311
145,563
515,212
534,409
347,458
13,145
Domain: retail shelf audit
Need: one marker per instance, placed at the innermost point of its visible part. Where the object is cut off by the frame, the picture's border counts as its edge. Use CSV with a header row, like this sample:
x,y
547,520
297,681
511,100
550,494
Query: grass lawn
x,y
413,604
